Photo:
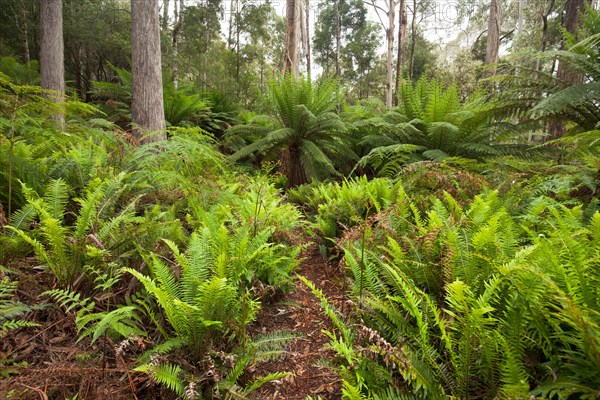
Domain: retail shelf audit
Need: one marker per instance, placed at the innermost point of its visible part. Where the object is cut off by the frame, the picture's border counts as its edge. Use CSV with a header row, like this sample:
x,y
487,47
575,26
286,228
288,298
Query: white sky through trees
x,y
439,23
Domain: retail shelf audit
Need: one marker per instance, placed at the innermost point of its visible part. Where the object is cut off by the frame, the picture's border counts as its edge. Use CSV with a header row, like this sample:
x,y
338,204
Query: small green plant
x,y
11,310
341,206
65,249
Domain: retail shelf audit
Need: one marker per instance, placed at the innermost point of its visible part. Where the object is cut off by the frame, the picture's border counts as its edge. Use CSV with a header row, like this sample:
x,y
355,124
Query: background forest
x,y
187,186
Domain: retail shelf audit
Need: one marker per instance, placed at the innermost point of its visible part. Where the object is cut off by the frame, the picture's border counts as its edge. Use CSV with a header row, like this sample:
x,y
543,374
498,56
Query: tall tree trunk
x,y
165,19
147,110
307,30
52,66
338,38
21,23
574,9
402,22
290,54
233,5
568,76
493,39
237,52
413,40
176,30
389,54
519,31
544,17
52,59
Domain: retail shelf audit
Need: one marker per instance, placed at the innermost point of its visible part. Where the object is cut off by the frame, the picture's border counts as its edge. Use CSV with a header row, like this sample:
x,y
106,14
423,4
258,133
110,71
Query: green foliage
x,y
432,123
183,105
202,302
460,298
20,74
66,249
305,134
341,206
122,322
10,310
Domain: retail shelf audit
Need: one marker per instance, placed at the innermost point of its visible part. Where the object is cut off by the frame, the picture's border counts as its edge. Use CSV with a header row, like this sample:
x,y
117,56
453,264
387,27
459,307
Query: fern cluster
x,y
433,123
340,206
461,298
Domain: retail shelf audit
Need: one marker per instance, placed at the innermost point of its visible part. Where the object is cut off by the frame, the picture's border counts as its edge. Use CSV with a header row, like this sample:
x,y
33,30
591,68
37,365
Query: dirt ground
x,y
56,366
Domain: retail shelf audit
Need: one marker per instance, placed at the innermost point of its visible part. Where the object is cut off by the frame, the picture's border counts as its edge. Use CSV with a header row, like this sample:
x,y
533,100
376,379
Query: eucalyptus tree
x,y
566,74
493,37
147,112
291,62
52,66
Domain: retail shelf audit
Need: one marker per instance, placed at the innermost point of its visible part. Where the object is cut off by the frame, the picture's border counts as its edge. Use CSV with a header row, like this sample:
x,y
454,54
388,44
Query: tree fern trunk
x,y
293,167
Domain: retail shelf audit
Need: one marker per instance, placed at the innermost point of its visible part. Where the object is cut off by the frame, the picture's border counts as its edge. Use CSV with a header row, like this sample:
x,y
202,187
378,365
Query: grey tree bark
x,y
290,56
307,36
147,111
493,38
401,53
52,65
413,40
389,54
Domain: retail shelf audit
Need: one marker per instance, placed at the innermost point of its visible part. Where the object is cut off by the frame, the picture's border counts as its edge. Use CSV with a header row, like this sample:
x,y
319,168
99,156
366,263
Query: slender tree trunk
x,y
389,54
413,40
147,110
568,76
233,5
290,56
544,16
165,19
338,38
493,38
519,31
237,51
22,27
176,30
307,30
402,21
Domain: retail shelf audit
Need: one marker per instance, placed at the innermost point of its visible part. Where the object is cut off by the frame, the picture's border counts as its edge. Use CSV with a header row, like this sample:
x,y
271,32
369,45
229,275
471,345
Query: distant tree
x,y
353,52
147,111
493,37
52,67
96,36
566,74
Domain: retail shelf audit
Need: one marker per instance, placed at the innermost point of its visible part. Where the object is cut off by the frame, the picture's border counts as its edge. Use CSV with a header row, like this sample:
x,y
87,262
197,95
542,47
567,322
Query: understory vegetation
x,y
469,238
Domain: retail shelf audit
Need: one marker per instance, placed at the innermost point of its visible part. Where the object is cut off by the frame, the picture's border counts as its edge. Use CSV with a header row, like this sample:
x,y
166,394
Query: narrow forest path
x,y
299,312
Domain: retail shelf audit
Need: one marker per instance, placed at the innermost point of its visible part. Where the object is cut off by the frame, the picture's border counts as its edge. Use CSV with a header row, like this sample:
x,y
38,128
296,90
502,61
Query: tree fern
x,y
308,133
439,125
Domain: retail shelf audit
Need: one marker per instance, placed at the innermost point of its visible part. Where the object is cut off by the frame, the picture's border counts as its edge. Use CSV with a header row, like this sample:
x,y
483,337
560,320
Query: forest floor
x,y
54,365
299,312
